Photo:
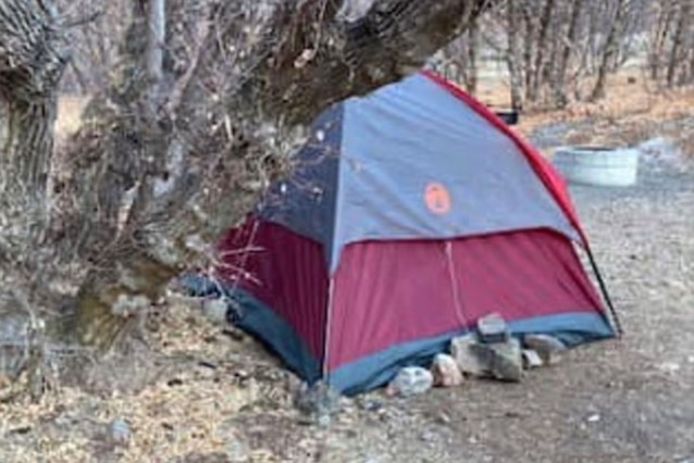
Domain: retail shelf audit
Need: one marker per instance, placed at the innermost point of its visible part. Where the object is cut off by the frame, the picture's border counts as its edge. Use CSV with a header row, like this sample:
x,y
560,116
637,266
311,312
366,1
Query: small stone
x,y
445,371
594,418
119,431
504,359
427,436
531,359
215,310
548,347
410,381
468,362
317,402
669,367
323,420
492,328
237,450
369,405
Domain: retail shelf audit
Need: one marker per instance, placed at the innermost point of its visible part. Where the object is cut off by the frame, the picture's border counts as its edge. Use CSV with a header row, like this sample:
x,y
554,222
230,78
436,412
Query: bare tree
x,y
678,53
611,48
559,83
143,189
513,55
536,72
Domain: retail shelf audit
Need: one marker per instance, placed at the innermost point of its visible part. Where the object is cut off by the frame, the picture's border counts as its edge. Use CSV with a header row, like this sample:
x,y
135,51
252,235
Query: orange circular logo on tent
x,y
437,198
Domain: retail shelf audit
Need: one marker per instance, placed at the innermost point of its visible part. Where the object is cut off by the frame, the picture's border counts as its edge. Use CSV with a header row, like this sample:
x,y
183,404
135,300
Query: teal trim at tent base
x,y
375,370
256,318
378,369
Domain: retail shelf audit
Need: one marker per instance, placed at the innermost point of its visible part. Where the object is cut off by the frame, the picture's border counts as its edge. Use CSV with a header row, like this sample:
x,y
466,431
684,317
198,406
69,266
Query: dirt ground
x,y
214,395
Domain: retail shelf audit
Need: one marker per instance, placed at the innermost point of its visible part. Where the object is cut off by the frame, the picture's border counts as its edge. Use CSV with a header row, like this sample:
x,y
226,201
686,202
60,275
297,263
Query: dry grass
x,y
639,101
210,381
633,111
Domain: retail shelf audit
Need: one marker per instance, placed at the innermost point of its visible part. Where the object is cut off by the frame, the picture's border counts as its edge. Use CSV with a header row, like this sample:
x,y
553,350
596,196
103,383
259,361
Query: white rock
x,y
548,347
119,431
493,328
445,371
410,381
215,310
462,351
669,367
505,359
531,359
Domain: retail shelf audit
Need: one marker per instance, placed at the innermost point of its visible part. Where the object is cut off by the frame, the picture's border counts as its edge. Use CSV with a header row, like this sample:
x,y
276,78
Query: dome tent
x,y
413,212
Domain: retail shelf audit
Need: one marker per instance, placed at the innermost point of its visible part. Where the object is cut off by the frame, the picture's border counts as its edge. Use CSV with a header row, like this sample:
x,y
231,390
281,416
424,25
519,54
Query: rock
x,y
427,436
369,405
669,367
504,359
443,418
410,381
119,431
468,362
445,371
492,328
531,359
548,347
317,402
215,310
594,418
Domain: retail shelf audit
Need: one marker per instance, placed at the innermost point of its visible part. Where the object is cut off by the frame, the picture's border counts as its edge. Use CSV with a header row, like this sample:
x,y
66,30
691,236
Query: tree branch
x,y
321,59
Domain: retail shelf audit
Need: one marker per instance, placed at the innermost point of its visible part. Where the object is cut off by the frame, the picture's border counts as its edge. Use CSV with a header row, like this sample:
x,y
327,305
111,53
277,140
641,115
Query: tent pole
x,y
617,324
328,324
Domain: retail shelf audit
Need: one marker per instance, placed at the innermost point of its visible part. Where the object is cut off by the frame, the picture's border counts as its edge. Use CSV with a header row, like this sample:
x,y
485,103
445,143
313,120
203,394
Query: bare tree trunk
x,y
540,49
30,70
513,55
32,59
683,20
529,47
471,48
610,50
559,84
657,42
140,200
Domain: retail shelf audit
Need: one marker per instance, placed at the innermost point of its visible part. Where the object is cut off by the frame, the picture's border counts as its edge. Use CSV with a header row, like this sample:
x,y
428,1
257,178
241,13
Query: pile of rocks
x,y
488,352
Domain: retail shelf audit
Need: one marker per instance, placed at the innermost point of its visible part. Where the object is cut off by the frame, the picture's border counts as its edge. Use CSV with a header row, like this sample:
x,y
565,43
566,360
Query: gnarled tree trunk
x,y
144,189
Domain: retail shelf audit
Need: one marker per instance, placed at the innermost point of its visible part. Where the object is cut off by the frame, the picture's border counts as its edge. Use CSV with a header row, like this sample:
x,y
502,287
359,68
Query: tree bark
x,y
156,39
32,59
540,49
610,50
678,40
559,84
513,55
528,46
471,47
